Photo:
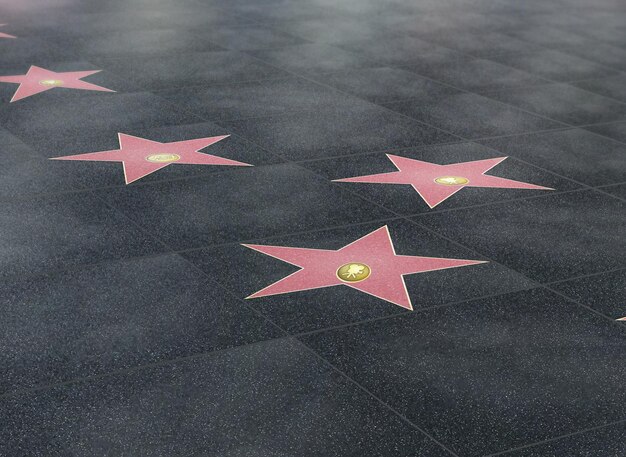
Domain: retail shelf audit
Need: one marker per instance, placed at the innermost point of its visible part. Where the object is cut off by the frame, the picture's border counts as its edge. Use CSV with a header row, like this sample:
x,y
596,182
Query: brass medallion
x,y
354,272
51,82
163,158
452,180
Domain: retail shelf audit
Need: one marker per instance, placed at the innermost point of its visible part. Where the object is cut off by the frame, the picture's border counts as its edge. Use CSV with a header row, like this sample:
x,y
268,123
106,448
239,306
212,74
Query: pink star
x,y
436,183
140,157
369,264
5,35
39,79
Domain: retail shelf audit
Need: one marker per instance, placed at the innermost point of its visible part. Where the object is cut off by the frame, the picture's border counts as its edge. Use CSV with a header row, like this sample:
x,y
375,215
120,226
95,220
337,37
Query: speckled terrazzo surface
x,y
423,200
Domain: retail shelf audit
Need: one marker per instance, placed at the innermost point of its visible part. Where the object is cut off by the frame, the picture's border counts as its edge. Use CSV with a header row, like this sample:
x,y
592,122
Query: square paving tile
x,y
603,292
563,103
470,115
573,153
6,138
612,86
607,440
75,23
27,51
394,50
114,316
46,234
604,53
282,11
25,173
481,43
59,122
251,202
382,84
241,402
312,58
316,309
618,191
547,238
439,56
475,74
555,65
492,374
190,69
338,30
551,37
251,37
615,130
256,99
603,33
138,43
335,131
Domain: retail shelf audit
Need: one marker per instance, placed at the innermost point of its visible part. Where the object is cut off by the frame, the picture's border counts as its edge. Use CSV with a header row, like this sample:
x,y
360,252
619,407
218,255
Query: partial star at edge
x,y
436,183
5,35
369,264
38,80
141,157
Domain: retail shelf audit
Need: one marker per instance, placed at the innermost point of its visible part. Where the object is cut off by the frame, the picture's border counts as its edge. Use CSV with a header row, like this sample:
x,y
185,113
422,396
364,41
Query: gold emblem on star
x,y
451,180
353,272
163,158
51,82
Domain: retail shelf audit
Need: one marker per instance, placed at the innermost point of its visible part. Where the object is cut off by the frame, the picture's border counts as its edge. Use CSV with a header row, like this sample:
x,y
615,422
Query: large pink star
x,y
5,35
140,157
39,79
369,264
436,183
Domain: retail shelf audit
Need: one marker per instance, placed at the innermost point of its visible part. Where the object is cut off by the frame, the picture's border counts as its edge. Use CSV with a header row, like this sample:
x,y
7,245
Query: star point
x,y
368,264
141,157
5,35
37,80
436,183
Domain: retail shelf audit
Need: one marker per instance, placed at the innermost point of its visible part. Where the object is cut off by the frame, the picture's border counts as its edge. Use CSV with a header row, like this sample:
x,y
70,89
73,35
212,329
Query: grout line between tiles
x,y
409,313
579,432
375,397
122,215
163,362
590,275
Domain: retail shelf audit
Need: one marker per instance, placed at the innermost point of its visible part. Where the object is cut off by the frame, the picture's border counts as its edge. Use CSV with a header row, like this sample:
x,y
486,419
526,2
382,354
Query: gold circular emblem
x,y
353,272
162,158
452,180
51,82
